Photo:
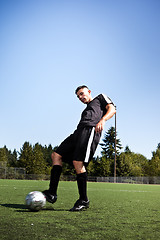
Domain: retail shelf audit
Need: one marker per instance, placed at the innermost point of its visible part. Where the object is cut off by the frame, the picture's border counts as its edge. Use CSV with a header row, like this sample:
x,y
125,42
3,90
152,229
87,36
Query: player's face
x,y
84,95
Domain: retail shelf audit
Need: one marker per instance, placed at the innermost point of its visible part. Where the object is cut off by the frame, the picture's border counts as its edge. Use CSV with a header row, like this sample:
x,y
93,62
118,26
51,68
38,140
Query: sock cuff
x,y
57,168
82,175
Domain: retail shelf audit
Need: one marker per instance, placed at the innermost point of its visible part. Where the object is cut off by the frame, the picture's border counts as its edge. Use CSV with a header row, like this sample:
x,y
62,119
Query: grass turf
x,y
117,211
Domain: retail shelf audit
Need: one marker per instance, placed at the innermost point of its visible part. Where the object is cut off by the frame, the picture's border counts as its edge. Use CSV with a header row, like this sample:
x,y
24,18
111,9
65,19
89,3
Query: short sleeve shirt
x,y
94,111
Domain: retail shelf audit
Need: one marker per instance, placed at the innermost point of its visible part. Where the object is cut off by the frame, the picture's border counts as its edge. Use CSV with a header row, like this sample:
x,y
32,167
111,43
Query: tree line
x,y
36,159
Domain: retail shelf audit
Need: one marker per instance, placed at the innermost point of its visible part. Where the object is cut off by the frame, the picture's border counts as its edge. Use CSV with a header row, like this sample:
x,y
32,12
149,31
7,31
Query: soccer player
x,y
79,147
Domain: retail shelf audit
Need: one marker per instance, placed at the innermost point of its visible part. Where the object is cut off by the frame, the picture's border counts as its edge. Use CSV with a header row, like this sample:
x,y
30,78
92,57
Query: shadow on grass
x,y
22,208
17,206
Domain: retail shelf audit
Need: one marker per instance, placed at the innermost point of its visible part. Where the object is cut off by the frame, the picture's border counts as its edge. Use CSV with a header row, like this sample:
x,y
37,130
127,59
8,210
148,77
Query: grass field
x,y
117,211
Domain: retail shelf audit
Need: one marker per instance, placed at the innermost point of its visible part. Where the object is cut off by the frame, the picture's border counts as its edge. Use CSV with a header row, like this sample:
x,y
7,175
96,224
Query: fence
x,y
12,173
19,173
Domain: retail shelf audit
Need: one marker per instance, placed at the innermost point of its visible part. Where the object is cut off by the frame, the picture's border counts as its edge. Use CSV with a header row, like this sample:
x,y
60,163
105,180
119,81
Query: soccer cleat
x,y
49,197
80,205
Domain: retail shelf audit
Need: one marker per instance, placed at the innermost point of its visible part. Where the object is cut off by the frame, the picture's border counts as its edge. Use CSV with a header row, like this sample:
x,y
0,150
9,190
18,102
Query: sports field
x,y
117,211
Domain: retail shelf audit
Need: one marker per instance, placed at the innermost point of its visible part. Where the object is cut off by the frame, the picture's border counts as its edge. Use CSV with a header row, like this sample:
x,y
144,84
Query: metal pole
x,y
115,152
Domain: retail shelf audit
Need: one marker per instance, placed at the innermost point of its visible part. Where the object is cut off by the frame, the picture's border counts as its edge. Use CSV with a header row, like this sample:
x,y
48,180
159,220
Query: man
x,y
79,147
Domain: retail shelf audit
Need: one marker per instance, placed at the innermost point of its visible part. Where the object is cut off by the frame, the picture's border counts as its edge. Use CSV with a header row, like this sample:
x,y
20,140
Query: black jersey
x,y
94,111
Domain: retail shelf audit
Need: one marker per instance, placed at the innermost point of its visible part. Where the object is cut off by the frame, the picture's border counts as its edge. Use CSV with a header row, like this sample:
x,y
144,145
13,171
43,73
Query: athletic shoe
x,y
80,205
49,197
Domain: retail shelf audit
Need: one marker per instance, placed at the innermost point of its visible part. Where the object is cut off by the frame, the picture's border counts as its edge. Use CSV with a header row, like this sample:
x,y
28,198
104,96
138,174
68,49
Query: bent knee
x,y
56,159
79,167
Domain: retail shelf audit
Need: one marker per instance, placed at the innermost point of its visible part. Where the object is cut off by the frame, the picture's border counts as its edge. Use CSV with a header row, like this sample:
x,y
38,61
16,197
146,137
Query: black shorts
x,y
79,146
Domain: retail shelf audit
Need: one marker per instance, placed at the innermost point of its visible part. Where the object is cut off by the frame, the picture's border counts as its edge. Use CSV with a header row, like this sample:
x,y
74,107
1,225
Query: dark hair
x,y
78,88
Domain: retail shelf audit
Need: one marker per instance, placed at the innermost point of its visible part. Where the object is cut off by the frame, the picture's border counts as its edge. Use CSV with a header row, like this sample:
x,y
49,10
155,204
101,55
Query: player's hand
x,y
99,126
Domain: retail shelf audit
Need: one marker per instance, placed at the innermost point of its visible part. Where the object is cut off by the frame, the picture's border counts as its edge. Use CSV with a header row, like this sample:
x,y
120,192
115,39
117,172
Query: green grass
x,y
117,211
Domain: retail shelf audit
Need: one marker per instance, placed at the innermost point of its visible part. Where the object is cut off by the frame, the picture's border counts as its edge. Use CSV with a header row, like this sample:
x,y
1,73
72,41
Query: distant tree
x,y
9,157
3,157
94,167
132,164
47,151
99,166
108,144
158,146
127,149
12,158
26,158
67,169
91,168
39,164
32,158
108,149
106,166
157,152
154,163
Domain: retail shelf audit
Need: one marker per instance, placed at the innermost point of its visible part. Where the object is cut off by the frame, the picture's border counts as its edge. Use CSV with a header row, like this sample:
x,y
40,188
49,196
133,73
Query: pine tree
x,y
26,159
39,163
108,144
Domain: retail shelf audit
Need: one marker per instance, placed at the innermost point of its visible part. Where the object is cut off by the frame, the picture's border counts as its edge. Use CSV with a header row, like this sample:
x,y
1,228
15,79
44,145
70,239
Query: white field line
x,y
116,190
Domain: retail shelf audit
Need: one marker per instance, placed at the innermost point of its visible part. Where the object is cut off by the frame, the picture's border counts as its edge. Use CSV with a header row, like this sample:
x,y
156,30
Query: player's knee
x,y
56,159
79,167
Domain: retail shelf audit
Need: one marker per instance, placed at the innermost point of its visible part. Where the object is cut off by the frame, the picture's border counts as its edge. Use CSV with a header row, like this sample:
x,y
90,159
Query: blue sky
x,y
48,48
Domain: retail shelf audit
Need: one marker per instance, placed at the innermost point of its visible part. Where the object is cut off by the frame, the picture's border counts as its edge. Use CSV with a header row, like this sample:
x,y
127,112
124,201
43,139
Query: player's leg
x,y
86,144
82,202
51,193
55,172
81,179
62,152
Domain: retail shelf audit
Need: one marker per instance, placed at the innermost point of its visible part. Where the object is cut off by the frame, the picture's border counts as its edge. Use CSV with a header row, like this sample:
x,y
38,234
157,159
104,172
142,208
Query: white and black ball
x,y
35,201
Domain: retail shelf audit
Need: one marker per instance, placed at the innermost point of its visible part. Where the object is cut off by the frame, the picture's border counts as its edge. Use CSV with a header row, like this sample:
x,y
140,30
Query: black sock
x,y
82,185
54,179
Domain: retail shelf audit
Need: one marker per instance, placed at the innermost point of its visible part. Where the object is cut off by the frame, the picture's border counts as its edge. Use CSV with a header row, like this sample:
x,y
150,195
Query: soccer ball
x,y
35,201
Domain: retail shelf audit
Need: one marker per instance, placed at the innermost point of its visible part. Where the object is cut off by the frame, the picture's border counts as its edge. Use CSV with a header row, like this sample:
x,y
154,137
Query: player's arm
x,y
110,111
